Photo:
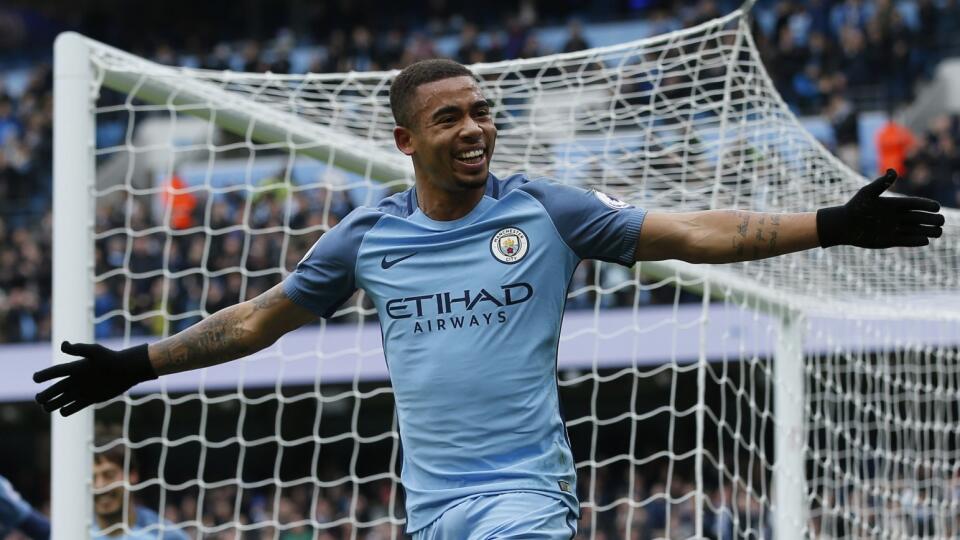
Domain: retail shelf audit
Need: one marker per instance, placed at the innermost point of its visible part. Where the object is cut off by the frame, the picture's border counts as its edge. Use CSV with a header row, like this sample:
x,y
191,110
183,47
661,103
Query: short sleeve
x,y
325,277
594,224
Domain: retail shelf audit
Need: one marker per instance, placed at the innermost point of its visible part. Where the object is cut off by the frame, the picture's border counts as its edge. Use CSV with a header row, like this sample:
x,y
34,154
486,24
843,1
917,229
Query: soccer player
x,y
16,513
469,275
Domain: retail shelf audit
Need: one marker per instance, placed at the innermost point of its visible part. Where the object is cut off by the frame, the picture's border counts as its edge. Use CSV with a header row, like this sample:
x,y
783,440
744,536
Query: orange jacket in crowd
x,y
894,142
182,204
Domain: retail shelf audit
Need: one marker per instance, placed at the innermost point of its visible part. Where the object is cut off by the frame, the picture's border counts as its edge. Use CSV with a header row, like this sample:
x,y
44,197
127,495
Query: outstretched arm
x,y
722,236
231,333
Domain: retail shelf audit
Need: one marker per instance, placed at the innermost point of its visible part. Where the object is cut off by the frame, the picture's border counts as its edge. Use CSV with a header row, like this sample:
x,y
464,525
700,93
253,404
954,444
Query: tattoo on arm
x,y
761,241
269,299
744,224
220,337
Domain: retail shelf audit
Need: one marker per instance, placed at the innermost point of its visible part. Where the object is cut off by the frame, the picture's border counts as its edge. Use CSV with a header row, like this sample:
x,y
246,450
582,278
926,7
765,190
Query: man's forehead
x,y
451,91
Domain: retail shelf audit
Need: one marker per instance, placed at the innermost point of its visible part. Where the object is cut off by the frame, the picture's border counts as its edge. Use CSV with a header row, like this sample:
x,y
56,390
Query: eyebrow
x,y
454,109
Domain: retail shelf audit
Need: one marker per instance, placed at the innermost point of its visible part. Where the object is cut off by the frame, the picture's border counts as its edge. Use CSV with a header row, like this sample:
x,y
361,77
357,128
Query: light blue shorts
x,y
515,515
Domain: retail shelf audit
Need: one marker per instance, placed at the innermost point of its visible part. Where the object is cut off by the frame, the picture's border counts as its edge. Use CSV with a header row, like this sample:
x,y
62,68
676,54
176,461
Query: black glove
x,y
100,375
871,221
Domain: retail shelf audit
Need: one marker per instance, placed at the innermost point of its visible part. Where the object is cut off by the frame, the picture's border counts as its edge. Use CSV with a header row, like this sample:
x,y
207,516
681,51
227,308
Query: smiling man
x,y
469,275
139,523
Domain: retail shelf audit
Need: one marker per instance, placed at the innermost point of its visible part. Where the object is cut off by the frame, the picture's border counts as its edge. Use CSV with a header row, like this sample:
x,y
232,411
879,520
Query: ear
x,y
404,139
133,477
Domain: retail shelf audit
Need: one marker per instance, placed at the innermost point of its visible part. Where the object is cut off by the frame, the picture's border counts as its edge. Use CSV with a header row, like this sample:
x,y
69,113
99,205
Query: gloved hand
x,y
871,221
100,375
13,509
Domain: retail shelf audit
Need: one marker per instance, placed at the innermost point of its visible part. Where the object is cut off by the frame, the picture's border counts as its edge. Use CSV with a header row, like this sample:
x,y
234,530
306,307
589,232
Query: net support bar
x,y
260,122
73,174
789,476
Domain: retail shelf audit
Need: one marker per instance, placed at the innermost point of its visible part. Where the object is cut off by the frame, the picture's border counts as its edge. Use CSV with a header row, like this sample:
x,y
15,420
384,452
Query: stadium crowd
x,y
827,57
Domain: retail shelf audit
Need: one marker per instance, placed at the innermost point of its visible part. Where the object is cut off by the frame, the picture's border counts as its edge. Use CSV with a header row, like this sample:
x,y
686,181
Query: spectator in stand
x,y
360,55
894,141
469,48
843,120
854,57
335,60
109,502
848,14
933,168
179,202
390,51
575,40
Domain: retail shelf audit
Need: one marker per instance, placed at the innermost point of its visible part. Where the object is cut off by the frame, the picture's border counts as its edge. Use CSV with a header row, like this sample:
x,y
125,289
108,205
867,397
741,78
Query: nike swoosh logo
x,y
385,264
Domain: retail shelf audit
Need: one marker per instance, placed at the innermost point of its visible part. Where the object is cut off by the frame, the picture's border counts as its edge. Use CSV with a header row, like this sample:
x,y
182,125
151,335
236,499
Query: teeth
x,y
470,154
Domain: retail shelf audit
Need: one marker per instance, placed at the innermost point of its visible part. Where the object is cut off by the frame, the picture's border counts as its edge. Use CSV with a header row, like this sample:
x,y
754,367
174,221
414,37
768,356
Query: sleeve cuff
x,y
303,299
631,234
299,298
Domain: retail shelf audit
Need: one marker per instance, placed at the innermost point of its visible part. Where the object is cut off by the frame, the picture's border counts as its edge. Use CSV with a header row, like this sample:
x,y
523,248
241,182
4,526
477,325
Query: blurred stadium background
x,y
876,81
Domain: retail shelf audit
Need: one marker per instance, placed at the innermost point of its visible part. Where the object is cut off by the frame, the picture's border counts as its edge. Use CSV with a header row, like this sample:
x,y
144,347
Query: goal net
x,y
810,395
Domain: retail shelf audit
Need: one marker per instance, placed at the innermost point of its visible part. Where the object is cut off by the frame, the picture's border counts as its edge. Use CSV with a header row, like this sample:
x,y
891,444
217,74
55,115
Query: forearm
x,y
724,236
226,335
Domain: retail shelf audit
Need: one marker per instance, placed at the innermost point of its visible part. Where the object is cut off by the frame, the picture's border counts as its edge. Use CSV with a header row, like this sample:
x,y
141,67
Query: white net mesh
x,y
212,185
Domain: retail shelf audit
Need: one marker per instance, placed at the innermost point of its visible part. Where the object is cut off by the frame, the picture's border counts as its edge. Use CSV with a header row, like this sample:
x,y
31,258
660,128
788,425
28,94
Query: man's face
x,y
452,136
105,472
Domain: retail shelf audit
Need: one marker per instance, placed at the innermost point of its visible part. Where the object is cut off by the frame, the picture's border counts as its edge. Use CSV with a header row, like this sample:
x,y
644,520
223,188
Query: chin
x,y
473,181
109,512
108,508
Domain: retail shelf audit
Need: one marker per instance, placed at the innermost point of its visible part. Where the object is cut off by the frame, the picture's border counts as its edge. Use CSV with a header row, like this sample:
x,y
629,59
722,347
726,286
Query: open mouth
x,y
471,157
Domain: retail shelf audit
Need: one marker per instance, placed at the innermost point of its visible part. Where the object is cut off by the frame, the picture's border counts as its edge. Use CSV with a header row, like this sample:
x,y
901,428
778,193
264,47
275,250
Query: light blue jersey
x,y
147,527
470,311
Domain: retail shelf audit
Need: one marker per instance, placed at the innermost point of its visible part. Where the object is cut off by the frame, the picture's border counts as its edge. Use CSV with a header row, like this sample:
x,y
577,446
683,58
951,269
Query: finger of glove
x,y
54,390
59,370
878,186
922,218
920,230
74,407
87,350
931,232
911,203
910,240
59,401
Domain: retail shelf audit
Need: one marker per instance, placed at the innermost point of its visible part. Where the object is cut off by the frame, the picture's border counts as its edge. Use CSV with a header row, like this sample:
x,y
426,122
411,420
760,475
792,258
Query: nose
x,y
471,129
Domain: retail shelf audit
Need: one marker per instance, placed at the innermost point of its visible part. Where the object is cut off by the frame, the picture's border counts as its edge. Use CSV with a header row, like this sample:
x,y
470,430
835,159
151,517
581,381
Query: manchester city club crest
x,y
509,245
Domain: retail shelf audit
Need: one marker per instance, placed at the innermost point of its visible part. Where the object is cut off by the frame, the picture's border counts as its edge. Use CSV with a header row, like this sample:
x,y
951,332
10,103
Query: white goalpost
x,y
810,395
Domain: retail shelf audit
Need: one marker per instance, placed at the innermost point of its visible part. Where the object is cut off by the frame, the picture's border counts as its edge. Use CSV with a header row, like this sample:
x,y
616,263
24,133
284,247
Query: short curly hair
x,y
404,86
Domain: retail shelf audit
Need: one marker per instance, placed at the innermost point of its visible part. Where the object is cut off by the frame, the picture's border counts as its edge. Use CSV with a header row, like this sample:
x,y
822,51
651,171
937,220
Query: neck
x,y
444,205
107,520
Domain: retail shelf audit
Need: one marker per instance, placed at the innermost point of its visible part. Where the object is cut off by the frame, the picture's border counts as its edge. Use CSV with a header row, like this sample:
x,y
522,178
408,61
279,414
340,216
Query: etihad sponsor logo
x,y
448,310
447,302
